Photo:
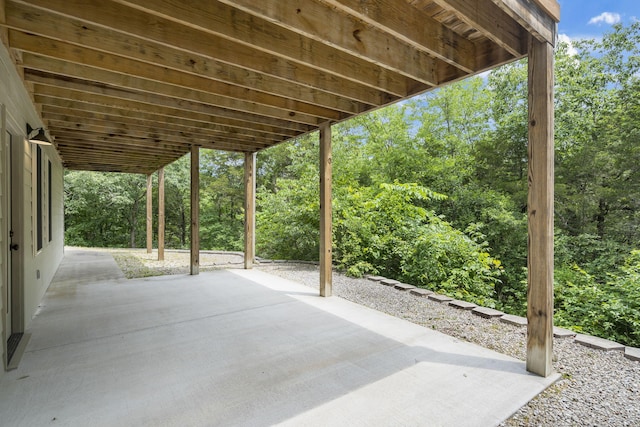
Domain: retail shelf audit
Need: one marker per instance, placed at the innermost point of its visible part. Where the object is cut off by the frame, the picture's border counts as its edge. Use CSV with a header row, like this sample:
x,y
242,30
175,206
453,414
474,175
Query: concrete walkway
x,y
242,348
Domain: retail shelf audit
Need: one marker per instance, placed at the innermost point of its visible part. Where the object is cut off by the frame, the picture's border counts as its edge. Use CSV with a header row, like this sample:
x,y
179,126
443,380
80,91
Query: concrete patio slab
x,y
246,348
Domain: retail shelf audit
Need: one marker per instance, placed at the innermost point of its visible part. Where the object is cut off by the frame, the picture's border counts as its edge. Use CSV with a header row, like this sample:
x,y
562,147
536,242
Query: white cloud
x,y
566,39
606,17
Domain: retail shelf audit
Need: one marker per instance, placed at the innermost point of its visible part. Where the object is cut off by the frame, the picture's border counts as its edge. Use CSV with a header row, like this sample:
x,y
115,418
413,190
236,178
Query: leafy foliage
x,y
103,209
608,309
433,191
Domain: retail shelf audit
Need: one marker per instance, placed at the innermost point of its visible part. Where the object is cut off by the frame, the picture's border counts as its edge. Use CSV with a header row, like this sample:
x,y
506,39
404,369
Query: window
x,y
38,200
49,200
42,198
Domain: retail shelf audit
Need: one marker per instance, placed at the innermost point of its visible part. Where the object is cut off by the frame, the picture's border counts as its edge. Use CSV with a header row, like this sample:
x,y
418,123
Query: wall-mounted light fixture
x,y
37,136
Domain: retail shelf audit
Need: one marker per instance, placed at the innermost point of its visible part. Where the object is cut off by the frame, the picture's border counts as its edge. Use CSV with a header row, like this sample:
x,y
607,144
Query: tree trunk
x,y
603,210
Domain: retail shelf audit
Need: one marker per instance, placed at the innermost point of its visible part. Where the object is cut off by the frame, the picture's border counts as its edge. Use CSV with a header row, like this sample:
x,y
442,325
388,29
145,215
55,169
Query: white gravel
x,y
597,388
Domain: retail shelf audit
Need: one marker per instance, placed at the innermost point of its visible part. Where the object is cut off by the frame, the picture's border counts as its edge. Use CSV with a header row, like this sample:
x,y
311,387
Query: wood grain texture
x,y
326,242
69,60
532,17
249,210
162,106
309,18
540,207
149,213
189,50
551,7
232,23
242,75
415,28
161,214
491,21
194,264
182,128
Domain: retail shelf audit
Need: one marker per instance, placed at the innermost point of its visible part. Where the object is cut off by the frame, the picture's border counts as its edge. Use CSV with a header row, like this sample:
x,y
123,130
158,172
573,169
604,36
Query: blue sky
x,y
592,18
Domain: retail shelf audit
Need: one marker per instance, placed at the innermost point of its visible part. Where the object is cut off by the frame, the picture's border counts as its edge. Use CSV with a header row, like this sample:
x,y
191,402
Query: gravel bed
x,y
137,263
597,388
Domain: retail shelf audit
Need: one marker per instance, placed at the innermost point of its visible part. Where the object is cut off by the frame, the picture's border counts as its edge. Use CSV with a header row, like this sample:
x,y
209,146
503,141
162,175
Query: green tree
x,y
287,219
104,209
221,200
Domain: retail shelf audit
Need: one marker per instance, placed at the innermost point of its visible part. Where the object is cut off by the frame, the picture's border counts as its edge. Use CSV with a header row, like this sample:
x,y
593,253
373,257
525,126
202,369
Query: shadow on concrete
x,y
245,348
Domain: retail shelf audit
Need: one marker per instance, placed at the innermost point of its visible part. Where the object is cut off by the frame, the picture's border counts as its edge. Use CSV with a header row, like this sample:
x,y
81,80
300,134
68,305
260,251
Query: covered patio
x,y
242,347
131,85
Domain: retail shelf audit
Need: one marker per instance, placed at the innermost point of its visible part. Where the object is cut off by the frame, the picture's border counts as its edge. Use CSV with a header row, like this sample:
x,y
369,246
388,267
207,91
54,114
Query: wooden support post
x,y
161,214
540,206
4,31
326,278
195,210
249,209
149,213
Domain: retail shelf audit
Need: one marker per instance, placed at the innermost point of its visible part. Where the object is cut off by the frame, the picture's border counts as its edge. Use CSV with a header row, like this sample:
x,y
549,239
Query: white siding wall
x,y
38,267
4,206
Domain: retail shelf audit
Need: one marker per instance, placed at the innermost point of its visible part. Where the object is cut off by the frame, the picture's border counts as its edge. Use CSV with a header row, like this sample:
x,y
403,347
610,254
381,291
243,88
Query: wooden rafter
x,y
243,75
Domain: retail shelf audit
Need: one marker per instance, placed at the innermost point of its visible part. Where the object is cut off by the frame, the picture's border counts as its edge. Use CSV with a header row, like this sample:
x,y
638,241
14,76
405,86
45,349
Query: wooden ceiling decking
x,y
131,85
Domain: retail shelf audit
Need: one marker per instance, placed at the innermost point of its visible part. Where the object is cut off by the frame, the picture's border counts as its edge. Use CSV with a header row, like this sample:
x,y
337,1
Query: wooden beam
x,y
414,27
216,77
106,152
238,27
100,167
191,52
532,17
161,214
195,211
129,149
540,206
164,106
90,64
249,210
149,213
326,243
115,143
309,18
551,7
165,125
153,134
4,34
135,149
485,16
80,110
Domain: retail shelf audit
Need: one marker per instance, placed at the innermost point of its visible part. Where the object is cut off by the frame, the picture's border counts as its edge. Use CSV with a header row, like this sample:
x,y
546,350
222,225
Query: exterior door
x,y
7,191
14,289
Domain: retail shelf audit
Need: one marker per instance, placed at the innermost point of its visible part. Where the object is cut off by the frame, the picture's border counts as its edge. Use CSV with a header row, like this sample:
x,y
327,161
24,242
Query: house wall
x,y
41,265
37,267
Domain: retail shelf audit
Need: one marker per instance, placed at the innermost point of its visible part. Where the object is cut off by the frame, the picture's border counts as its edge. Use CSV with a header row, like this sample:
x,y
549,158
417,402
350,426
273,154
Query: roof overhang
x,y
131,85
